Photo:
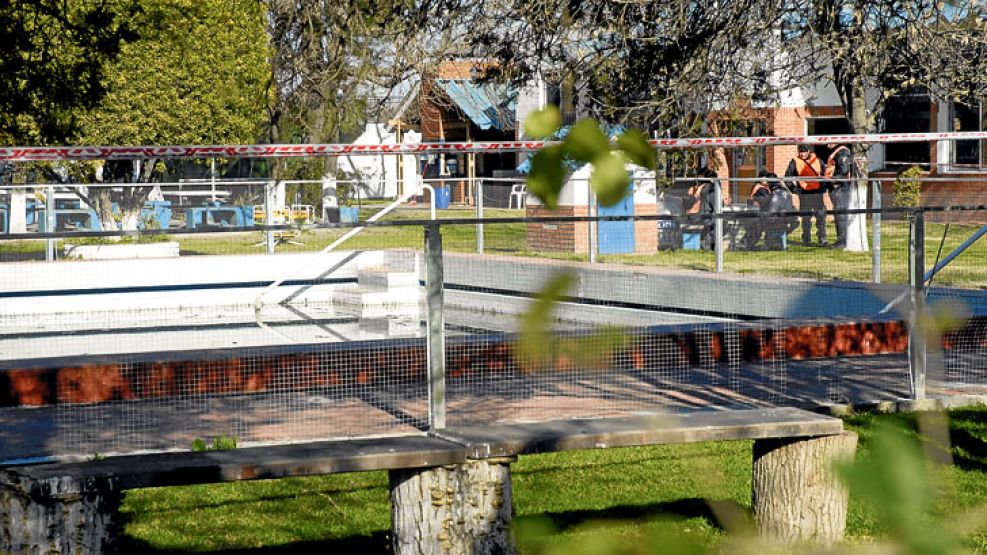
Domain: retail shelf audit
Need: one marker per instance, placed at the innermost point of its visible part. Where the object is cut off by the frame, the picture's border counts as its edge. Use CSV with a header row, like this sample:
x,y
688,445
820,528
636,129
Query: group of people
x,y
812,179
808,178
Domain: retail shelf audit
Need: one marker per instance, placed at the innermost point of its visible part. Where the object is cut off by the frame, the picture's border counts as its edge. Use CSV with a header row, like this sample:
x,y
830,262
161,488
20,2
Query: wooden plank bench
x,y
73,507
450,491
795,496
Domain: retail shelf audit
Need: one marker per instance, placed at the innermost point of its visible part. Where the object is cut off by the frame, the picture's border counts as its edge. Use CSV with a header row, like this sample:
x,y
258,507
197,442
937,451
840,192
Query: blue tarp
x,y
488,105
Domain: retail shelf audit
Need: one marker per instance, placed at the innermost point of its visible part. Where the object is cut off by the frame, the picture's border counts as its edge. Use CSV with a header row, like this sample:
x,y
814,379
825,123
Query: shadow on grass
x,y
378,543
969,448
679,509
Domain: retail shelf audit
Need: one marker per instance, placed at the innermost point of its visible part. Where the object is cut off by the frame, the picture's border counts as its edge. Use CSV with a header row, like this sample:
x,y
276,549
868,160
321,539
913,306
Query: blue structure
x,y
32,206
71,219
216,214
157,211
617,237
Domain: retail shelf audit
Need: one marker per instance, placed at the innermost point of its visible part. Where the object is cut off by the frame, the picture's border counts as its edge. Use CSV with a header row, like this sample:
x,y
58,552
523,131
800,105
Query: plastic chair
x,y
518,193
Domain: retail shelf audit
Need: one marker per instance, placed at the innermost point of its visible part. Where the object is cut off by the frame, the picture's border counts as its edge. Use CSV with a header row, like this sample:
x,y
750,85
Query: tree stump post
x,y
57,515
797,496
462,508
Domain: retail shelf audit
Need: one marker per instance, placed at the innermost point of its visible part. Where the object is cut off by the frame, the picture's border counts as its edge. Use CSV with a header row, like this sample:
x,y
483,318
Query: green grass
x,y
663,489
799,261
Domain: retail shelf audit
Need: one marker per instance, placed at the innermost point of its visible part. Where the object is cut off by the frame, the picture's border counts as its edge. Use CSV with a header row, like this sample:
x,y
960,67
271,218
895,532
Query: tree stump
x,y
463,508
797,496
57,515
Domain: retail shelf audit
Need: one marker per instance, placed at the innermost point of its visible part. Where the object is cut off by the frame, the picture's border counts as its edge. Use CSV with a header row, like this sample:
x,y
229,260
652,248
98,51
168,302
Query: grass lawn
x,y
656,489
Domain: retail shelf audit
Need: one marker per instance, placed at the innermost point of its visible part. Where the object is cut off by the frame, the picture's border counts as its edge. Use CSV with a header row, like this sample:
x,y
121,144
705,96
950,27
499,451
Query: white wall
x,y
575,191
379,173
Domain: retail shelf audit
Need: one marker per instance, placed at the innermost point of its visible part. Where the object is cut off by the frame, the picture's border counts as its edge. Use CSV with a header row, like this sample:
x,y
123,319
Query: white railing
x,y
259,299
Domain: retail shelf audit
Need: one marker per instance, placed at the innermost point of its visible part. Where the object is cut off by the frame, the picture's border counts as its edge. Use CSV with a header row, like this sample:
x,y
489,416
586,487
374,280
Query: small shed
x,y
612,237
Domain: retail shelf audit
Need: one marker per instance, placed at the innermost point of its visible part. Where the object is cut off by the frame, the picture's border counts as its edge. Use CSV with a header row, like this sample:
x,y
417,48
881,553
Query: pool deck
x,y
66,431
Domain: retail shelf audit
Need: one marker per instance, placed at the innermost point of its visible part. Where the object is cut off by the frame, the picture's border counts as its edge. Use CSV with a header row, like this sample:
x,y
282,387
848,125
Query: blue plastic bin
x,y
690,240
442,197
349,214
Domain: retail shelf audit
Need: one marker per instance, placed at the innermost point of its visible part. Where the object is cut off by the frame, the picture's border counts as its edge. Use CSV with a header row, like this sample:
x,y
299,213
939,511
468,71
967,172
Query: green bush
x,y
907,188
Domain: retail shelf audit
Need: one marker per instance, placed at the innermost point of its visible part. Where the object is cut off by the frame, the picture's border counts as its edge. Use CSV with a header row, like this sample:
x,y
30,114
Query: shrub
x,y
907,188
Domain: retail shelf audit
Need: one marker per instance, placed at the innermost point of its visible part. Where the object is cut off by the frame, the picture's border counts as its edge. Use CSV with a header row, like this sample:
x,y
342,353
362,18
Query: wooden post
x,y
454,509
58,515
797,497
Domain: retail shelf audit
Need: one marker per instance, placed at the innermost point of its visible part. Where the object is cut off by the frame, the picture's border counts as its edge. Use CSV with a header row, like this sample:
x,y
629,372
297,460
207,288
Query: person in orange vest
x,y
810,191
839,166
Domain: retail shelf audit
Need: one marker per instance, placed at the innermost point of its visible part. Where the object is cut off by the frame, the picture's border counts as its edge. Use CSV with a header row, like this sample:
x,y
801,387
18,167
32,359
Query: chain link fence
x,y
109,352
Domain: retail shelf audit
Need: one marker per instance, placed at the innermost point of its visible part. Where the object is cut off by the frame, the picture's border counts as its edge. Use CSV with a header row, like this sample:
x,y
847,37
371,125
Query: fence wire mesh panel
x,y
650,329
271,311
105,356
956,270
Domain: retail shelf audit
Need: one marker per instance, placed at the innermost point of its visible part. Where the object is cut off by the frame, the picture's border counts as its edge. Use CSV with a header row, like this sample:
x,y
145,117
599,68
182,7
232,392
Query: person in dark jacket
x,y
771,196
839,166
702,197
810,190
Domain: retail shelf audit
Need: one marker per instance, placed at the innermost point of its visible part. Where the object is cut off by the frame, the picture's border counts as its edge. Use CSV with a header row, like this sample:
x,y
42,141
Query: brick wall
x,y
645,231
556,236
574,236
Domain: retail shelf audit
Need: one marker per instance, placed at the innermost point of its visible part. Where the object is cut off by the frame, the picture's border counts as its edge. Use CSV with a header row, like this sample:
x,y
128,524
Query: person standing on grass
x,y
771,197
810,191
701,198
839,167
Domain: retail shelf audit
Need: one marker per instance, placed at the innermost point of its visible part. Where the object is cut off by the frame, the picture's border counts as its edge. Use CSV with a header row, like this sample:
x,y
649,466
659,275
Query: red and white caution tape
x,y
32,154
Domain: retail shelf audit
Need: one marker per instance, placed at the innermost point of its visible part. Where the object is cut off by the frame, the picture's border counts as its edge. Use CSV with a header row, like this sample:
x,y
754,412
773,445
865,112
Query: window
x,y
969,115
907,112
746,162
826,126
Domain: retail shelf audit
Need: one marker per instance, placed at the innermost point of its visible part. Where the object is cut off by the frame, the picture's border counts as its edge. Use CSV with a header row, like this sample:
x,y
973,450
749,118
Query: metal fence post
x,y
435,324
876,231
268,215
51,220
479,215
592,223
917,348
718,224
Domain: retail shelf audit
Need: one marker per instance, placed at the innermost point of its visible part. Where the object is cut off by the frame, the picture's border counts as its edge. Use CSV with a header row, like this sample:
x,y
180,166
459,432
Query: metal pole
x,y
212,177
435,324
718,224
50,217
591,227
917,351
269,215
876,231
479,214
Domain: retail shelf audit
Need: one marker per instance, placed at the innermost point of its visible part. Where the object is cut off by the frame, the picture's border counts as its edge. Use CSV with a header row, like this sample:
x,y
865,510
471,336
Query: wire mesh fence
x,y
108,353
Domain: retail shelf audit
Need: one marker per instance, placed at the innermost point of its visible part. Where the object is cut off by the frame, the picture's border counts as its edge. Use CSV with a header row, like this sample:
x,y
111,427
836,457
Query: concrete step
x,y
365,303
385,278
402,326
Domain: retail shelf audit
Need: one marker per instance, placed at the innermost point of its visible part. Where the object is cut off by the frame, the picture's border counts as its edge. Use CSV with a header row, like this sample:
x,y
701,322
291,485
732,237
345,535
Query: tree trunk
x,y
452,509
60,515
797,497
861,120
103,205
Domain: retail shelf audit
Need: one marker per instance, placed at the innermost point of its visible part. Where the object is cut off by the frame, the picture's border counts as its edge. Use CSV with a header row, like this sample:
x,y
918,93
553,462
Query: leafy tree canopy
x,y
52,59
197,74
